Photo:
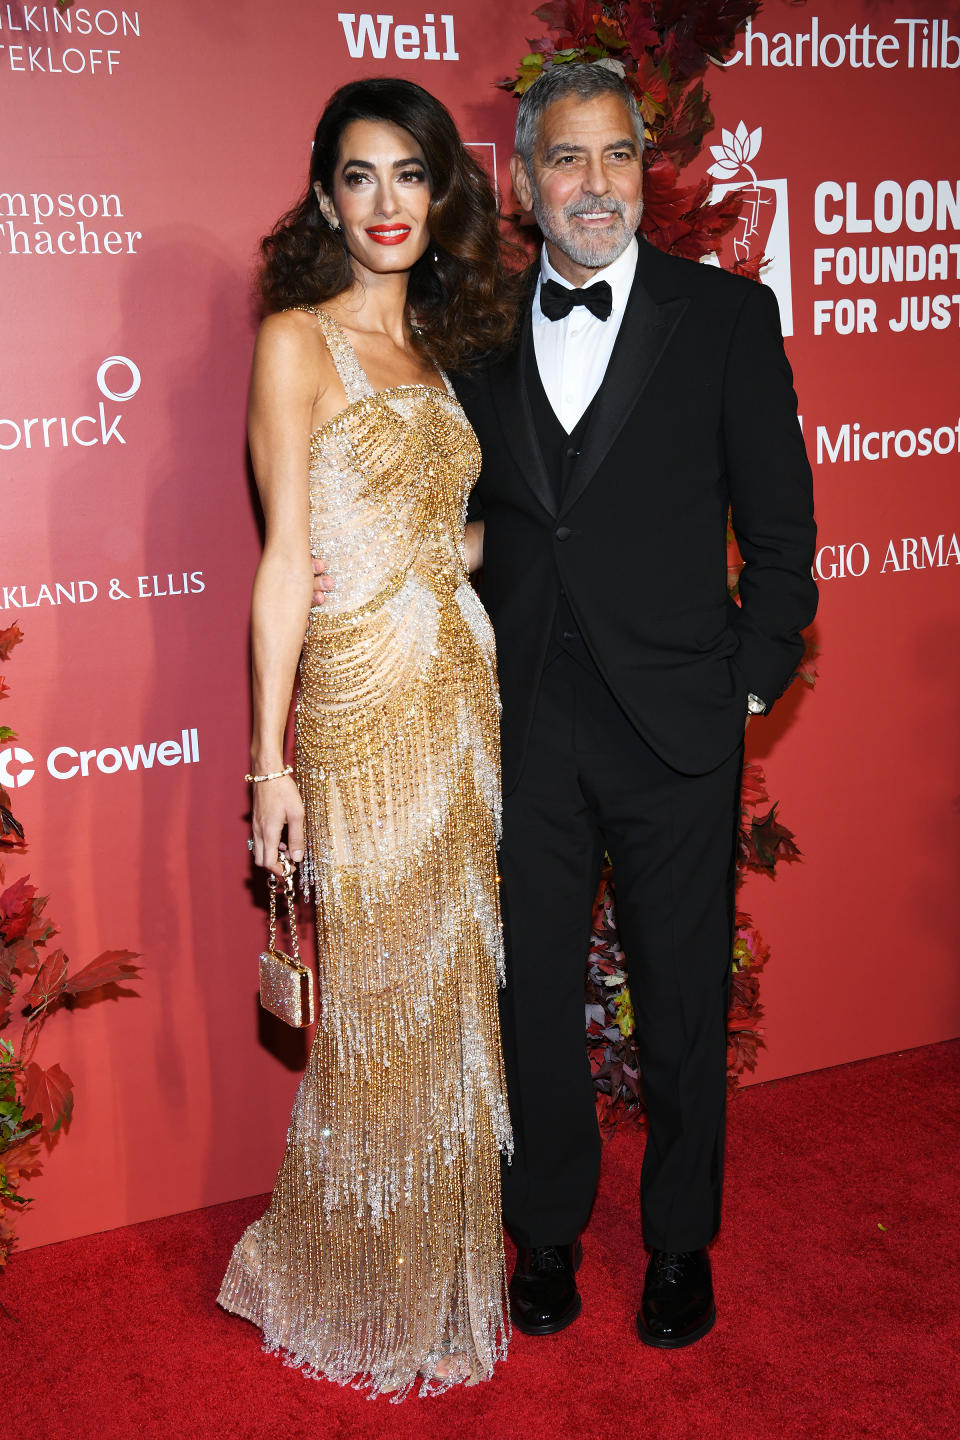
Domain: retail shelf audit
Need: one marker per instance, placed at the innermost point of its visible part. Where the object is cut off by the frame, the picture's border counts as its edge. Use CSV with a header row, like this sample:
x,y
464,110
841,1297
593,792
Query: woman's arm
x,y
473,542
283,391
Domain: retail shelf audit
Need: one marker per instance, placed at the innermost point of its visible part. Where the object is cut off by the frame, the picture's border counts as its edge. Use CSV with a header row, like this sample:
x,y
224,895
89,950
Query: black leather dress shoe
x,y
677,1306
543,1291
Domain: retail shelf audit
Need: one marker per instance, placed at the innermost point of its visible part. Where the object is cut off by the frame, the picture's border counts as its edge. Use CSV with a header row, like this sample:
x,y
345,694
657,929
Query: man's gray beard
x,y
592,252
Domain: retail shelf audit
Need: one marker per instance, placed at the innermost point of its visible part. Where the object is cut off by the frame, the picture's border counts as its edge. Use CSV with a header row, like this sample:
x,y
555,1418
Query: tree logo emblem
x,y
763,230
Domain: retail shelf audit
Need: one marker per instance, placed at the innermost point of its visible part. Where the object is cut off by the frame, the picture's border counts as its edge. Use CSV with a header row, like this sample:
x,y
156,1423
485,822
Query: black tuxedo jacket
x,y
696,414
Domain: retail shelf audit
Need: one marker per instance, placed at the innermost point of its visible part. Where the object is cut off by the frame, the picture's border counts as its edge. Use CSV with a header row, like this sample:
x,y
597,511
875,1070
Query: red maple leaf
x,y
701,30
21,919
688,121
808,665
50,980
697,232
770,842
574,20
750,268
21,1160
15,896
715,221
664,200
744,994
742,1047
641,30
9,637
8,958
26,957
760,951
610,34
49,1094
108,968
751,951
16,909
754,790
608,1113
648,80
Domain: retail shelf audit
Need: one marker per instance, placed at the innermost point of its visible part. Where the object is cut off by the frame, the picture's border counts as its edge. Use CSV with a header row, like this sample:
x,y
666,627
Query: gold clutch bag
x,y
286,984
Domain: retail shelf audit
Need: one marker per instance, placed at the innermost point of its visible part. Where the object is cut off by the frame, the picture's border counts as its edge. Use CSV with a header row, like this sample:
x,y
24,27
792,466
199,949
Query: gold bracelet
x,y
275,775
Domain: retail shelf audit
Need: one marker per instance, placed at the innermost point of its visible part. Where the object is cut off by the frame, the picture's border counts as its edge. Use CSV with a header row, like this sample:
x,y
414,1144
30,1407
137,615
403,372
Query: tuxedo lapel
x,y
508,382
645,332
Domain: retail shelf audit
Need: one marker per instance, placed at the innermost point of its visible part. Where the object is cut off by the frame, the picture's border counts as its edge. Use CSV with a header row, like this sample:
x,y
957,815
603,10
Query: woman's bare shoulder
x,y
294,338
291,327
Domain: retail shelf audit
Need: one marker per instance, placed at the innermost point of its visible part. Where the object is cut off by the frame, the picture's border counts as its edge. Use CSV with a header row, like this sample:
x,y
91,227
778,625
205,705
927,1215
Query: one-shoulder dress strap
x,y
352,377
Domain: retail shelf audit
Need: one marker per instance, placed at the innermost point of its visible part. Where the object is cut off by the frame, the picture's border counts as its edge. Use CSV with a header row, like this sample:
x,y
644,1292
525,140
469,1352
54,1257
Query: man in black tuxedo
x,y
646,396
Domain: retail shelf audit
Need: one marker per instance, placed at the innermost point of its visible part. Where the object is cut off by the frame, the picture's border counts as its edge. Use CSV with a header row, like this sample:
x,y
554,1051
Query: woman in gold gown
x,y
379,1262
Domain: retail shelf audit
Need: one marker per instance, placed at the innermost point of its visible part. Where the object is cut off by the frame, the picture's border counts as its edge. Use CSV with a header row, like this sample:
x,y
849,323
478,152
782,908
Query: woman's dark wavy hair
x,y
466,303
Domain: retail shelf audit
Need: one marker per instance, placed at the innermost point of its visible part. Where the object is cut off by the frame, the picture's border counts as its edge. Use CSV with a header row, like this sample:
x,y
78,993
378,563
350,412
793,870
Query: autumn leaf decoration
x,y
36,1100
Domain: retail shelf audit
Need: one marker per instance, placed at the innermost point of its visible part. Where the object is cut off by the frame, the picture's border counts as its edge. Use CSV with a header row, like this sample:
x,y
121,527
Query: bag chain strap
x,y
288,890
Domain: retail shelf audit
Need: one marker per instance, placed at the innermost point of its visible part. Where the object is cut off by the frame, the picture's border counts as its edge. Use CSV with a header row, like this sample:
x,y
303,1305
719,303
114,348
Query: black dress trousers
x,y
590,783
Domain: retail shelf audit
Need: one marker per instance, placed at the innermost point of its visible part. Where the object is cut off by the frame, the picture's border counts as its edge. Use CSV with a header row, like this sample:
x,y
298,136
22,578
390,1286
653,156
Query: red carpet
x,y
837,1281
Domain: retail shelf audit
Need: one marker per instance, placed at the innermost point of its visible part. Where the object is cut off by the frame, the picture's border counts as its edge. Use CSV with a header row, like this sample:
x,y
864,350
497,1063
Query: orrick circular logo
x,y
133,375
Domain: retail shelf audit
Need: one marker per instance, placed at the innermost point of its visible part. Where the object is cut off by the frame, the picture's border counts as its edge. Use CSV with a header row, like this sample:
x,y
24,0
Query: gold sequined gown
x,y
381,1254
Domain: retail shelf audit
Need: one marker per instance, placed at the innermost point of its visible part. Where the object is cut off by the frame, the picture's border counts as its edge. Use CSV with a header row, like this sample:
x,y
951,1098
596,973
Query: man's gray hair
x,y
583,79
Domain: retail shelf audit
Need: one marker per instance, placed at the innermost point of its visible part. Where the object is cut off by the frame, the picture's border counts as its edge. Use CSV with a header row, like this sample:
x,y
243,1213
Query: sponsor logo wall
x,y
145,171
862,234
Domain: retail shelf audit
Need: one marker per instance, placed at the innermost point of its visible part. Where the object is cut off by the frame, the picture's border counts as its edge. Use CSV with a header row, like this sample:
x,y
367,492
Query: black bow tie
x,y
556,301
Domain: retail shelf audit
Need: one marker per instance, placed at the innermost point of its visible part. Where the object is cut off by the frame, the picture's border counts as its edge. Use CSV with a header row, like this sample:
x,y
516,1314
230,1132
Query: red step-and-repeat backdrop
x,y
147,149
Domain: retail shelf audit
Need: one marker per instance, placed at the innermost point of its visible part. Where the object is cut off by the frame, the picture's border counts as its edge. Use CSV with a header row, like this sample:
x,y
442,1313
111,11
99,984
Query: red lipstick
x,y
389,234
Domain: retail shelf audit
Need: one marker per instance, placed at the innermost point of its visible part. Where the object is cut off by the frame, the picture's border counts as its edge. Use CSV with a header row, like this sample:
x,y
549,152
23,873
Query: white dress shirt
x,y
573,353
